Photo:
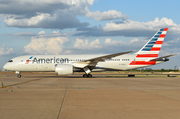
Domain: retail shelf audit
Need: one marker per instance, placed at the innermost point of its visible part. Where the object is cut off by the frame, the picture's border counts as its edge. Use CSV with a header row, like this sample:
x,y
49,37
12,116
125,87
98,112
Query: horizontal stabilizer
x,y
162,58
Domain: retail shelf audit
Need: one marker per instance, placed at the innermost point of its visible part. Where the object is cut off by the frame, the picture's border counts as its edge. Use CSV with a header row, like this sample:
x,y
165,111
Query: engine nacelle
x,y
63,69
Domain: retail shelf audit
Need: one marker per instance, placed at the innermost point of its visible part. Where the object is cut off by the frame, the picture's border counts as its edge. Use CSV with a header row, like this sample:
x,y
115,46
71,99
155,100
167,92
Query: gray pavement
x,y
46,96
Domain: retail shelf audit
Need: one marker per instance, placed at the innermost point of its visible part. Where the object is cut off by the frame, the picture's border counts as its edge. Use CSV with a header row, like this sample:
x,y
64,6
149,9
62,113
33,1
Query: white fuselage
x,y
48,62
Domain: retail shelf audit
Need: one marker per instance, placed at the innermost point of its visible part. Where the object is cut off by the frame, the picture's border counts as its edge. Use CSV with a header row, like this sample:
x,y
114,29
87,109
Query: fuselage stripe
x,y
147,55
143,63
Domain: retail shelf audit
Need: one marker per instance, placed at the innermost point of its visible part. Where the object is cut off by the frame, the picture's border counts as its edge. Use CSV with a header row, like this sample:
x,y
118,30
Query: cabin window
x,y
10,61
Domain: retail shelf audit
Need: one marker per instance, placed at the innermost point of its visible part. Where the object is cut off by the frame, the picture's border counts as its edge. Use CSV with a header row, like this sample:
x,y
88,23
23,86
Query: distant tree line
x,y
156,70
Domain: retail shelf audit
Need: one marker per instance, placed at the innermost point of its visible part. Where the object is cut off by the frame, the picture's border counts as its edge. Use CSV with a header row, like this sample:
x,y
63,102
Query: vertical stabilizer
x,y
150,50
153,46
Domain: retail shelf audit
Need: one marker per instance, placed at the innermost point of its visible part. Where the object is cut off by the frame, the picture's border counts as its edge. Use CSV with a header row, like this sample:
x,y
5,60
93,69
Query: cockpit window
x,y
10,61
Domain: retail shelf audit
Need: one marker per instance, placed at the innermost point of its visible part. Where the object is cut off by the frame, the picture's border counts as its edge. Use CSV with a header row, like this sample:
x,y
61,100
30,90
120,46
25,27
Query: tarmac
x,y
47,96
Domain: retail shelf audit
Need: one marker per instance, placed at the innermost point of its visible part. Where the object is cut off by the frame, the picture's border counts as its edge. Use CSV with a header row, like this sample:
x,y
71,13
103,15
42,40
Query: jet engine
x,y
63,69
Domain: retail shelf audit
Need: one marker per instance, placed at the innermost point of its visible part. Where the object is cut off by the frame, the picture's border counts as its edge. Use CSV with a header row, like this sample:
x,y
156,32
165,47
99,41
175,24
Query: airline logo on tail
x,y
151,49
156,41
27,61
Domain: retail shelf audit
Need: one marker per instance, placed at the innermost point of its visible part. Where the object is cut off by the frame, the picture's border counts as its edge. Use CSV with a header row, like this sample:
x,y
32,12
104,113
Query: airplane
x,y
68,64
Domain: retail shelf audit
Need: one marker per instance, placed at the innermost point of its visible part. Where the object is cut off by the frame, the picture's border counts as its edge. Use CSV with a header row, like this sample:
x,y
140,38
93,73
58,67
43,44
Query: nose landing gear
x,y
19,74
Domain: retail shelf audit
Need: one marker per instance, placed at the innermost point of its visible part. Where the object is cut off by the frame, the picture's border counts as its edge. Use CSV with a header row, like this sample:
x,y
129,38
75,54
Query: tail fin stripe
x,y
159,33
160,39
156,49
146,49
164,32
147,55
157,36
157,45
154,39
149,46
165,29
162,35
152,43
147,52
159,42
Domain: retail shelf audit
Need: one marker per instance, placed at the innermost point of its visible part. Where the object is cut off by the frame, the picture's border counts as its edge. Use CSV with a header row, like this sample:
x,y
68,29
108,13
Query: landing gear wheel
x,y
19,76
85,75
89,75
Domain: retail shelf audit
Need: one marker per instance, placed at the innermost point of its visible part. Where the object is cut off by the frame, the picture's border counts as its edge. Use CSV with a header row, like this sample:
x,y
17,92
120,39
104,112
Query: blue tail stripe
x,y
156,35
151,42
149,46
154,39
162,29
146,49
159,32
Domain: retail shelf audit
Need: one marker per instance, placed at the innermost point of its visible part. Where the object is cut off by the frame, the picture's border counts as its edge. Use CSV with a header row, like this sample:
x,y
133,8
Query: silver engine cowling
x,y
63,69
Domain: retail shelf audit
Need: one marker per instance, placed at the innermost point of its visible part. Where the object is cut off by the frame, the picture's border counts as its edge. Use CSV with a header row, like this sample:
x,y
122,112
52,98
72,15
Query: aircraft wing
x,y
94,61
161,58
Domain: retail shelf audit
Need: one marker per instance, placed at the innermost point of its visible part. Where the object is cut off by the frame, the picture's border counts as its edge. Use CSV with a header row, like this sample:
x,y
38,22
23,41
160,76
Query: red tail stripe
x,y
142,63
159,42
165,29
162,35
147,55
155,49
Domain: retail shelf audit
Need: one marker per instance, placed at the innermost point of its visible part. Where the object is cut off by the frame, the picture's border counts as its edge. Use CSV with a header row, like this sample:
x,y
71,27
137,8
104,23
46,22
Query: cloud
x,y
30,7
107,15
112,46
5,51
56,17
84,44
41,33
46,43
2,16
53,14
130,28
23,34
59,20
135,25
172,46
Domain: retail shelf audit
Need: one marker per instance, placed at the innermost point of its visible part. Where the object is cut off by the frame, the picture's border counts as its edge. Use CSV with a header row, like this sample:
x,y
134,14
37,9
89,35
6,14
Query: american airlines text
x,y
50,60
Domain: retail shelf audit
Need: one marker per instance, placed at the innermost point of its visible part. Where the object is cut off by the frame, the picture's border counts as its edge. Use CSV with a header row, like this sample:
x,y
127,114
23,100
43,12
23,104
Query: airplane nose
x,y
5,66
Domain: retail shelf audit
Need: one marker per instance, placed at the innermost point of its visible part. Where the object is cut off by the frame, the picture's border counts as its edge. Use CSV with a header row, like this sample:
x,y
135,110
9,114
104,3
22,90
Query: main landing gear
x,y
87,75
87,71
19,74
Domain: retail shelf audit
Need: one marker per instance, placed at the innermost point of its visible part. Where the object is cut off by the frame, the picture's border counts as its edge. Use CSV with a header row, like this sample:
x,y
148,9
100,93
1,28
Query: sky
x,y
87,27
